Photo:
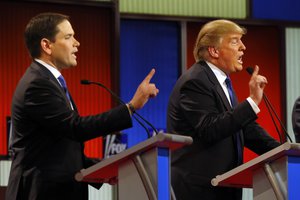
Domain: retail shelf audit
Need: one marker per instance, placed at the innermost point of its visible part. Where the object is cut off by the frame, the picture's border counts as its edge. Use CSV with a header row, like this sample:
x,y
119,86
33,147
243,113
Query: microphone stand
x,y
134,114
272,112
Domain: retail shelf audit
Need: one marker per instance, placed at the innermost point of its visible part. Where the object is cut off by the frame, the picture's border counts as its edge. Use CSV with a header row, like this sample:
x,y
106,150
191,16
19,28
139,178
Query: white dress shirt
x,y
55,73
221,76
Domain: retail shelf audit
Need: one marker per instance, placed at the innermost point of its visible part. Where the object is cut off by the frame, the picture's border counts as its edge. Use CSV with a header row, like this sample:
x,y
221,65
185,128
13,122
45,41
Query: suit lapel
x,y
48,75
212,77
73,103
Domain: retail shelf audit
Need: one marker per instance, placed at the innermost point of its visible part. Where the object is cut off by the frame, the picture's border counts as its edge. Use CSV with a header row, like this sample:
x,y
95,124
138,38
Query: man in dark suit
x,y
204,106
48,133
296,119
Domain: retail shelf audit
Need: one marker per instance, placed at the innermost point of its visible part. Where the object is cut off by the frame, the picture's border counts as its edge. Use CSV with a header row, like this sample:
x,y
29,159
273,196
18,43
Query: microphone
x,y
270,110
87,82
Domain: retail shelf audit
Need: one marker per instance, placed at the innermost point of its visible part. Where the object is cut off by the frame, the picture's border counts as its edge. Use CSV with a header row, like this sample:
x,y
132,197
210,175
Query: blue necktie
x,y
230,91
234,103
64,86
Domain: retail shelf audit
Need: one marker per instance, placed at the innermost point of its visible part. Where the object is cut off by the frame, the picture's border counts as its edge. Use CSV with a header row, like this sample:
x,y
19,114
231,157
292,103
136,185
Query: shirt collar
x,y
221,76
54,71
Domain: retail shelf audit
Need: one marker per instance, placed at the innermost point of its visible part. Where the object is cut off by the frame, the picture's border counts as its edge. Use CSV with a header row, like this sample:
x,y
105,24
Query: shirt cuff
x,y
253,105
130,108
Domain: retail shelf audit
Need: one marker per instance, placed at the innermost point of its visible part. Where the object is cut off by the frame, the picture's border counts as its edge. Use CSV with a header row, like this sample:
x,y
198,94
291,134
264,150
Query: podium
x,y
141,172
273,175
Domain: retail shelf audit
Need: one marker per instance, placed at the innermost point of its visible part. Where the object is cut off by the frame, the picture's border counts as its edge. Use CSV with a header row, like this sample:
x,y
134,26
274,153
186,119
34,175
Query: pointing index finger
x,y
149,76
256,69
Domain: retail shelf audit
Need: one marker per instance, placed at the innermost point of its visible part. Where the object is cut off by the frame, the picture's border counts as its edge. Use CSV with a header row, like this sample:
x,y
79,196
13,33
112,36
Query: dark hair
x,y
42,26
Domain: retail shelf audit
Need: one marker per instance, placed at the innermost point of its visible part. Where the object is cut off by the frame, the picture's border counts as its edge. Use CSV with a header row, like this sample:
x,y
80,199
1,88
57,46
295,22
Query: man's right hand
x,y
257,85
145,91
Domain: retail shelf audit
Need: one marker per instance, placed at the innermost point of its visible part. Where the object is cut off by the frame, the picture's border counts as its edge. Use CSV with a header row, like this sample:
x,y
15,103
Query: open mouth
x,y
240,60
73,54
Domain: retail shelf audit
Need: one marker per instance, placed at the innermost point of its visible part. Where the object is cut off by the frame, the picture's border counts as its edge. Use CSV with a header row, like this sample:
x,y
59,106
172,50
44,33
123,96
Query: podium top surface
x,y
242,175
108,168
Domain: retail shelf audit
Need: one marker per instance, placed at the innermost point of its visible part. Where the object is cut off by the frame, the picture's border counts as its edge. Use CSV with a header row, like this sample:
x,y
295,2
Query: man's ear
x,y
213,52
46,46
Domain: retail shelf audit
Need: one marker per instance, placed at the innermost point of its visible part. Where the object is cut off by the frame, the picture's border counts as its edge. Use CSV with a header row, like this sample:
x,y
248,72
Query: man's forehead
x,y
233,36
65,27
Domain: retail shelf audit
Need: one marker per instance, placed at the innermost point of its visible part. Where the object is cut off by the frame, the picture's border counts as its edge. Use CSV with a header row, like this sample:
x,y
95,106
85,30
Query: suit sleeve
x,y
46,105
257,139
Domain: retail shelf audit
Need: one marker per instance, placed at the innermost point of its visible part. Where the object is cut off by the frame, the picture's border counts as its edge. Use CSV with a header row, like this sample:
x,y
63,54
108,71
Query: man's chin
x,y
73,64
239,68
70,65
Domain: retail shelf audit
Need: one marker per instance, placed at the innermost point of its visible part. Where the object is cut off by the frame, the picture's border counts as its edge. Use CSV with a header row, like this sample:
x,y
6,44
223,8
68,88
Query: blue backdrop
x,y
144,45
276,9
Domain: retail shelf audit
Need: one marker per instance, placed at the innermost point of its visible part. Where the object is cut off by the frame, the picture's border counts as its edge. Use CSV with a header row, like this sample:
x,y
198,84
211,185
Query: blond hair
x,y
211,34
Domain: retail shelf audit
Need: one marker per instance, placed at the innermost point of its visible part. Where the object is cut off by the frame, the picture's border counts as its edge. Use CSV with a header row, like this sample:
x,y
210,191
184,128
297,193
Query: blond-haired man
x,y
203,105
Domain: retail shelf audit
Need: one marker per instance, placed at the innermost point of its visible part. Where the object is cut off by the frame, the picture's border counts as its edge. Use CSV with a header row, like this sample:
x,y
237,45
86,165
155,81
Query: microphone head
x,y
85,82
249,70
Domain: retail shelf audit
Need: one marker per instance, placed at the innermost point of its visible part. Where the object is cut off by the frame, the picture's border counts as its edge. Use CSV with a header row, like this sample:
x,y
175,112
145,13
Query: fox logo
x,y
112,146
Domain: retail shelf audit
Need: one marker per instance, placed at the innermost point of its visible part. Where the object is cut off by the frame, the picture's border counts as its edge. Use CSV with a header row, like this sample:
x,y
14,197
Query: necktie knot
x,y
62,82
228,83
64,86
230,91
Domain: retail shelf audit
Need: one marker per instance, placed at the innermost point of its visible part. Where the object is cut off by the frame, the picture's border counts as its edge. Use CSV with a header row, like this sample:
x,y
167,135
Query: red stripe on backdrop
x,y
263,44
93,29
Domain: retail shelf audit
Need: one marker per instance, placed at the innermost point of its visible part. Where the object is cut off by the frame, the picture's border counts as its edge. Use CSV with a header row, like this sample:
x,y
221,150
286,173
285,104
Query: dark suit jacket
x,y
48,138
198,107
296,119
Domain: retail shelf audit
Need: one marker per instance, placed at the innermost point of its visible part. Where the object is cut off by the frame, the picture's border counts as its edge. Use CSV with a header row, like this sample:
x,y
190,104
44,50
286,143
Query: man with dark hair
x,y
48,132
203,105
